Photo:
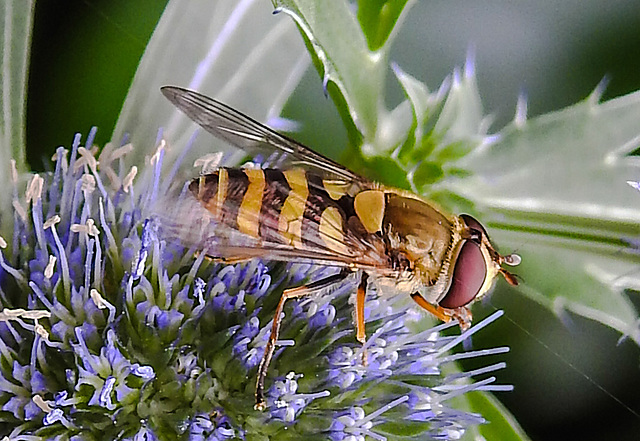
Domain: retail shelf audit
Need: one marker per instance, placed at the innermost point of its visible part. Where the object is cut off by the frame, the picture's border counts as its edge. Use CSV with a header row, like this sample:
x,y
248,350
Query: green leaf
x,y
422,103
378,19
426,174
354,73
15,39
555,188
578,275
447,125
501,425
462,117
340,46
225,53
17,19
387,170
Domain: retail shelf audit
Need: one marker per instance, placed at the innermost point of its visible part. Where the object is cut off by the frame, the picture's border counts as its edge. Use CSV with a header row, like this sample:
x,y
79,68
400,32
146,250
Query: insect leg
x,y
225,260
464,317
300,291
360,328
360,296
438,311
462,314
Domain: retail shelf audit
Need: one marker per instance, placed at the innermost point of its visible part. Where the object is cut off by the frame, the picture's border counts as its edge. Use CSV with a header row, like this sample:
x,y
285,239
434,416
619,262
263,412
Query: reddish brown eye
x,y
469,273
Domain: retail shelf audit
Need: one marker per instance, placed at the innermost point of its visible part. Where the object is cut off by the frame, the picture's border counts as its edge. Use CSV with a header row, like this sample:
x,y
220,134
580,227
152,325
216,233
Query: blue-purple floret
x,y
212,427
110,329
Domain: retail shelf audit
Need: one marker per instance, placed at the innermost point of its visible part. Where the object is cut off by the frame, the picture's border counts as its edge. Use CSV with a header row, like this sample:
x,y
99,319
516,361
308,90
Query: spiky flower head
x,y
109,331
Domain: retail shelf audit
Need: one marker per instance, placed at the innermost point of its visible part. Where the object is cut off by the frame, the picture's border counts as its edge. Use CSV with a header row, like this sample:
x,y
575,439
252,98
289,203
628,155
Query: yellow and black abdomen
x,y
290,207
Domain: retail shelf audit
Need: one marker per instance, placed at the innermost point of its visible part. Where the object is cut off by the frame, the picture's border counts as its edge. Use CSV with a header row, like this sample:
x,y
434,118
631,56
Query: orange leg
x,y
360,328
300,291
462,314
360,296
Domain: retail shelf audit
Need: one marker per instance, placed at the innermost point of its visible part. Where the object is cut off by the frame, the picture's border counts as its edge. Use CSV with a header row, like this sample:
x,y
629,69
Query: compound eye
x,y
469,273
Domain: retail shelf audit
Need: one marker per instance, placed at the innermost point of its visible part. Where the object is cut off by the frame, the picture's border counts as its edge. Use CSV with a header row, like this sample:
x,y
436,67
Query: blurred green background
x,y
85,53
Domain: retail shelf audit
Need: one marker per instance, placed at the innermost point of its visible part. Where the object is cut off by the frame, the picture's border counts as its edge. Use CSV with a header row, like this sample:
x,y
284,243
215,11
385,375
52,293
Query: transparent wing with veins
x,y
251,136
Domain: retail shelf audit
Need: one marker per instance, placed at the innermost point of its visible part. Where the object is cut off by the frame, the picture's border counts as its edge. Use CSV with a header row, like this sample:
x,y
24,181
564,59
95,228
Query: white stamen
x,y
19,209
3,243
88,183
48,271
41,331
113,177
98,299
209,162
88,228
156,156
34,189
51,221
127,182
41,403
59,154
121,151
86,158
11,314
106,156
14,172
91,226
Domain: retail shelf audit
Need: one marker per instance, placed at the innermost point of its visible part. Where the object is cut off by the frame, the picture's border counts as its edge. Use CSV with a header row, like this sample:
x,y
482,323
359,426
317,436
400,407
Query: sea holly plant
x,y
554,187
109,329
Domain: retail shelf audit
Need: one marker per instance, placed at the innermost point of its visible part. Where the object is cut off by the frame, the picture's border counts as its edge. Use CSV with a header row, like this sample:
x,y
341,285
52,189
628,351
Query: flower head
x,y
111,330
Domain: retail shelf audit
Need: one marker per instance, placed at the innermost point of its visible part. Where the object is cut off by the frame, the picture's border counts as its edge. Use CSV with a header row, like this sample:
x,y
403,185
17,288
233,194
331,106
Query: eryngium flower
x,y
110,332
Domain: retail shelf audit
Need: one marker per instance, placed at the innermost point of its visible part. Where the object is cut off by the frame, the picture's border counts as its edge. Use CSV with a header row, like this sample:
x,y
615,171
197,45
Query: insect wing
x,y
249,135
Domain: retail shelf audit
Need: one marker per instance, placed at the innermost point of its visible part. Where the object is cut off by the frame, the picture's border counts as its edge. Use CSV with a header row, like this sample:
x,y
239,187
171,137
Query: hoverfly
x,y
311,209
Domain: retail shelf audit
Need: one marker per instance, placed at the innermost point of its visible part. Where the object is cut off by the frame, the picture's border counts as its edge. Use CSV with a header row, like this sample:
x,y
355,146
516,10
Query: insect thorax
x,y
419,240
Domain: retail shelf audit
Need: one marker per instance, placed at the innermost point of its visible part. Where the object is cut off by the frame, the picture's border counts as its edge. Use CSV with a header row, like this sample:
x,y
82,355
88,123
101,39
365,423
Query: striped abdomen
x,y
289,207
